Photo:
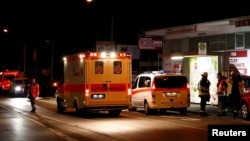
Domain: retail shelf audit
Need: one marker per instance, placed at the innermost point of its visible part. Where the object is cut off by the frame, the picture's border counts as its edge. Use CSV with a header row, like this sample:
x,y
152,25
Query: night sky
x,y
75,25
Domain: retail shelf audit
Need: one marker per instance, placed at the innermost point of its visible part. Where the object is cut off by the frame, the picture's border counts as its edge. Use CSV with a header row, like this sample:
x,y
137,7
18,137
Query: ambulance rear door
x,y
110,79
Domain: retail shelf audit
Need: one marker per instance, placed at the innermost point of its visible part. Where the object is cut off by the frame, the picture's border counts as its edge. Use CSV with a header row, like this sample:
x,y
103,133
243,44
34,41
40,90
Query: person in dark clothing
x,y
235,90
203,87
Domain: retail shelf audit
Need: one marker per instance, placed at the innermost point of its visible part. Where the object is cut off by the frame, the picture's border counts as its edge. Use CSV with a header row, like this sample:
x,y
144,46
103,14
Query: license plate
x,y
170,94
97,96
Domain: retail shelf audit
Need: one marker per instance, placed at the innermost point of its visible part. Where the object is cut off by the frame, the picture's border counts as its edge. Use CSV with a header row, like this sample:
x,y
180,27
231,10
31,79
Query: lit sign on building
x,y
150,43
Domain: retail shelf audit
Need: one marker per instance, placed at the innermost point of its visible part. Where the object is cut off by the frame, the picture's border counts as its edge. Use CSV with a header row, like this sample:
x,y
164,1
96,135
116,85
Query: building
x,y
209,46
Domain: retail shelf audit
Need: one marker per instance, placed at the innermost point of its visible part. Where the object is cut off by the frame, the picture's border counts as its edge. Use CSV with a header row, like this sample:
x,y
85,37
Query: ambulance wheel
x,y
114,113
77,110
60,108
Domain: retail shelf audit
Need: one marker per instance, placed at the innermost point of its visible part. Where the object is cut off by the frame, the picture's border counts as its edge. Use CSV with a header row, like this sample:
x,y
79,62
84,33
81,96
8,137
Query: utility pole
x,y
52,60
51,42
112,27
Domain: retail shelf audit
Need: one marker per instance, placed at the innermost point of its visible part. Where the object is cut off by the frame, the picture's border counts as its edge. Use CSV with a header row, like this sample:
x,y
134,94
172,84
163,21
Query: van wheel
x,y
114,113
245,111
147,110
183,111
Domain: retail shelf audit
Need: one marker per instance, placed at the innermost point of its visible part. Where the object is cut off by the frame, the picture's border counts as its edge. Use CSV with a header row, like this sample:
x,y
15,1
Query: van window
x,y
135,83
170,81
144,81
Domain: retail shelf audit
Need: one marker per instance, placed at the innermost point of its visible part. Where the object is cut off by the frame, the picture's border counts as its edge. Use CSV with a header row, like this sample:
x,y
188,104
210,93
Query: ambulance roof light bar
x,y
103,54
156,72
108,54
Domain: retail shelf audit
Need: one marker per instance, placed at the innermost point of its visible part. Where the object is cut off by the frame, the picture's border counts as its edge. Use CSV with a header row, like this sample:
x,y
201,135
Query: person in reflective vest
x,y
222,94
203,87
33,90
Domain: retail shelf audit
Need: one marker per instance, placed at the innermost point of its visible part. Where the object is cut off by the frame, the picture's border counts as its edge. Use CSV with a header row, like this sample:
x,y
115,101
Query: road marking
x,y
38,122
182,118
192,119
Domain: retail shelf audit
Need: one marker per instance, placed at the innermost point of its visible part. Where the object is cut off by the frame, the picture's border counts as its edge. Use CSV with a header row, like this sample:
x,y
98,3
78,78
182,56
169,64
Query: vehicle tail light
x,y
152,94
129,91
153,86
152,89
87,92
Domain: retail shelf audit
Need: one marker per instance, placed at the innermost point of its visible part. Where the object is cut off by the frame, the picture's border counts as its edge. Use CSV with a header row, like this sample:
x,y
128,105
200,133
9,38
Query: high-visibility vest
x,y
230,85
34,90
222,87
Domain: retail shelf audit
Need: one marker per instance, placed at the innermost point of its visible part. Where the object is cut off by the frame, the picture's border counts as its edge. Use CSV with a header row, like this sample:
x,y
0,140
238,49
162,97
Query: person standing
x,y
235,90
33,90
222,94
203,87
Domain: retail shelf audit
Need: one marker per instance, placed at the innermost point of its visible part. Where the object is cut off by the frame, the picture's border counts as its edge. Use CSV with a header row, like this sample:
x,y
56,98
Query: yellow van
x,y
157,90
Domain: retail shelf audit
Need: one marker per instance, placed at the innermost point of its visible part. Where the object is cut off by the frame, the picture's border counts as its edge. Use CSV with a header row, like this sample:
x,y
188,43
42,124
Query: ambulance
x,y
5,79
95,81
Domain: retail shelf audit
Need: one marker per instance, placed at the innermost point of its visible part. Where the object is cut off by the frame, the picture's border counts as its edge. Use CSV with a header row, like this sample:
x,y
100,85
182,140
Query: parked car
x,y
160,91
18,87
245,106
245,99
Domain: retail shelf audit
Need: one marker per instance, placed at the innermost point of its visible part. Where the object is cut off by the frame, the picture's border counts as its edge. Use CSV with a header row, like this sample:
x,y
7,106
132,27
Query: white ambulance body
x,y
96,81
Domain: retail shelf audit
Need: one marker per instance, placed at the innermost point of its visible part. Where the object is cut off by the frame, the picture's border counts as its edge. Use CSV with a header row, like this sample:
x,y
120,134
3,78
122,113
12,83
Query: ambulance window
x,y
135,83
117,67
99,67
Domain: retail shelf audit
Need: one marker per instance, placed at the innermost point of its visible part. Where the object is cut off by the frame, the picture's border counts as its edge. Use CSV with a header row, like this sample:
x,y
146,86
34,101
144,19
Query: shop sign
x,y
147,43
202,48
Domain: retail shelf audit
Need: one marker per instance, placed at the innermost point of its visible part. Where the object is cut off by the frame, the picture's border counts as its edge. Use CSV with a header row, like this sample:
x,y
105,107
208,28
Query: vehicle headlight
x,y
18,88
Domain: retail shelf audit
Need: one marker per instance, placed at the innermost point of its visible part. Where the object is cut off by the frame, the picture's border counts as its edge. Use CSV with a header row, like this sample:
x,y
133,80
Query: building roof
x,y
226,26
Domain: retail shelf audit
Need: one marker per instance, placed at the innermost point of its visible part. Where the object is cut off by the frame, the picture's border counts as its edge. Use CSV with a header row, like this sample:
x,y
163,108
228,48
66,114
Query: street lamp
x,y
52,60
112,21
5,30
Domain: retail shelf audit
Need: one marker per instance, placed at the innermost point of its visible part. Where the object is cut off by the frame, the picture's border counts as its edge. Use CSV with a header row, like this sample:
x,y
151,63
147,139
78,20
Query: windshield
x,y
21,81
9,77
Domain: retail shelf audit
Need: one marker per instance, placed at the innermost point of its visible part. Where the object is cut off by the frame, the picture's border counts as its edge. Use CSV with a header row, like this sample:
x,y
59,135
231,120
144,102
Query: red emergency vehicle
x,y
6,77
96,81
